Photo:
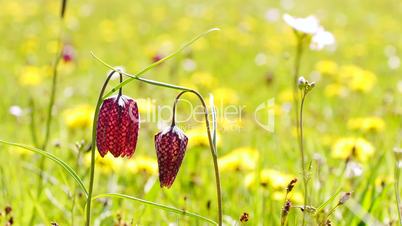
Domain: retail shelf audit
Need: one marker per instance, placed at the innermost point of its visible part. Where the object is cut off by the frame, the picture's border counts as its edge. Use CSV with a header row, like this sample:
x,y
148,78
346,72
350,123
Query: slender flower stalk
x,y
344,198
303,161
93,148
305,87
300,39
209,134
296,73
49,109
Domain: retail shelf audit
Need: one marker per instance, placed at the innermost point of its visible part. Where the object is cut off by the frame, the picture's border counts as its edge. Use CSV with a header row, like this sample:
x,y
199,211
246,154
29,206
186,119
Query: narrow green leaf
x,y
156,205
322,206
52,157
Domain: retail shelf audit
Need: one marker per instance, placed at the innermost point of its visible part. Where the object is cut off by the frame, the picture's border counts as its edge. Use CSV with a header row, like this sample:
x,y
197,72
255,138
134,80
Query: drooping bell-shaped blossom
x,y
118,125
170,145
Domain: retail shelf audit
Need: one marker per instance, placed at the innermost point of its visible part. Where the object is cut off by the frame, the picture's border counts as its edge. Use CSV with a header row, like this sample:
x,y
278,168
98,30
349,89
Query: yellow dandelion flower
x,y
240,159
336,90
275,179
105,164
143,164
30,45
286,95
224,96
146,105
367,124
363,82
347,147
269,177
198,137
277,110
356,78
294,196
31,76
327,67
80,116
204,79
108,30
384,180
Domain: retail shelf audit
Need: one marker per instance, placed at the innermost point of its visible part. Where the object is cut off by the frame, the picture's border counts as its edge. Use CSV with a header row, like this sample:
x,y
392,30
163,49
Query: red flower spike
x,y
170,145
117,128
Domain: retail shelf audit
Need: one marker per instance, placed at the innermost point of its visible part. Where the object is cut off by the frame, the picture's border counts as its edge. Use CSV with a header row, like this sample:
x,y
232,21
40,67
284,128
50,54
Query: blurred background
x,y
352,117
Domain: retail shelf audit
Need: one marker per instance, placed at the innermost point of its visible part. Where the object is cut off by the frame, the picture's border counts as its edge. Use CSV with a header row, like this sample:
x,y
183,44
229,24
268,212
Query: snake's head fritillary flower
x,y
170,145
118,125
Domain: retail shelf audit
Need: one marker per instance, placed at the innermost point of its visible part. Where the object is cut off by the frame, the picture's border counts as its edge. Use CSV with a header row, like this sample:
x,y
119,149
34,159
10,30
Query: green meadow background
x,y
352,115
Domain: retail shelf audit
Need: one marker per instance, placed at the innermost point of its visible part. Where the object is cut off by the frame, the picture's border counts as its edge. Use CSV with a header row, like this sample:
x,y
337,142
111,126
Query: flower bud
x,y
170,145
345,197
301,82
118,125
68,53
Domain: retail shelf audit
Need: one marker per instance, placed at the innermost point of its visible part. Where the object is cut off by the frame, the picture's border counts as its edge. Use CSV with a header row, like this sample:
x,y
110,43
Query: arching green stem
x,y
174,107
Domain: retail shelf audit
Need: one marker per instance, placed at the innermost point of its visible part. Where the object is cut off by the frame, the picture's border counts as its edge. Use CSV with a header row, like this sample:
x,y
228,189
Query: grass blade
x,y
52,157
322,206
156,205
133,77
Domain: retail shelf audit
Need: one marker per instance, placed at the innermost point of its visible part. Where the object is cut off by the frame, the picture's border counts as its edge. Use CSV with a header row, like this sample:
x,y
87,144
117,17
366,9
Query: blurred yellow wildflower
x,y
143,164
359,148
52,47
240,159
294,196
224,96
271,178
286,95
146,105
384,180
198,137
80,116
108,30
336,90
30,45
105,164
356,78
327,67
204,79
367,124
31,75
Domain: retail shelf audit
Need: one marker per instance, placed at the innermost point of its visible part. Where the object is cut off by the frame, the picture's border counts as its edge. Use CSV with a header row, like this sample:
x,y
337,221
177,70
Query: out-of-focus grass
x,y
131,33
